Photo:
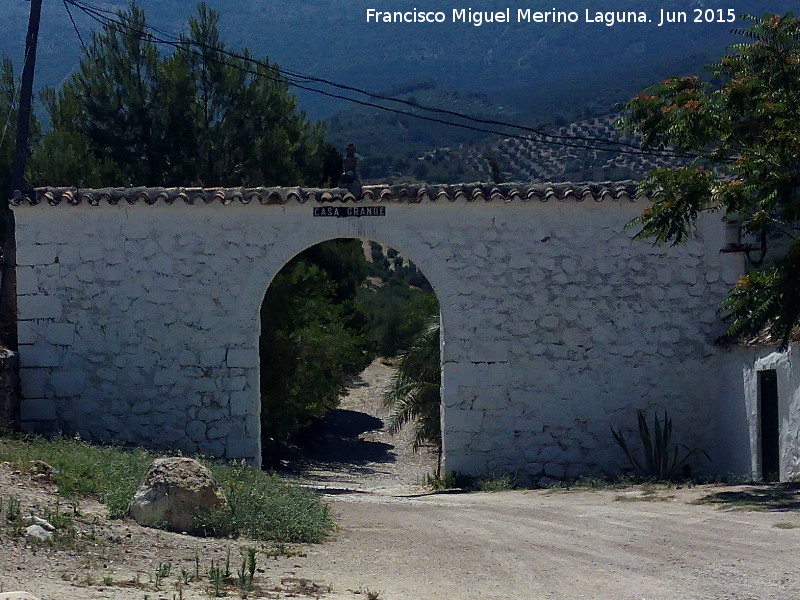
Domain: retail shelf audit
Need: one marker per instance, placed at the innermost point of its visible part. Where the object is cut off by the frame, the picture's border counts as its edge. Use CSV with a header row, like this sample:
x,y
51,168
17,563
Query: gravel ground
x,y
402,542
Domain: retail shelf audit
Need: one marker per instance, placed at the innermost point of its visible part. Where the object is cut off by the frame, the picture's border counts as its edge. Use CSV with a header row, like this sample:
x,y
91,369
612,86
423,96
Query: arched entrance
x,y
334,310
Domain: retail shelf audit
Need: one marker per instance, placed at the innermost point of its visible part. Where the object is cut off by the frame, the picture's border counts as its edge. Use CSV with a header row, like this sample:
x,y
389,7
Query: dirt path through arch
x,y
351,450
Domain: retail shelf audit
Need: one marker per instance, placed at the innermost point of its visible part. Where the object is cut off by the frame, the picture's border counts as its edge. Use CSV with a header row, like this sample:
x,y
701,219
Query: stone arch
x,y
416,254
262,274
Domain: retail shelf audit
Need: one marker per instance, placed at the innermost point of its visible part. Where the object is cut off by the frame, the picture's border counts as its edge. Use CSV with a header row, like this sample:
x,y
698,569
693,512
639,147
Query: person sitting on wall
x,y
350,178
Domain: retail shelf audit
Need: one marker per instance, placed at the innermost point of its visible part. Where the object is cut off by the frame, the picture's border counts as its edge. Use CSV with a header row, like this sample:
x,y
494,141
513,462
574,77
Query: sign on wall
x,y
349,211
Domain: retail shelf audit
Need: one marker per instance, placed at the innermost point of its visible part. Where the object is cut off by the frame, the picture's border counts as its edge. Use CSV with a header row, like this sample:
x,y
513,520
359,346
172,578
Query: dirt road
x,y
537,544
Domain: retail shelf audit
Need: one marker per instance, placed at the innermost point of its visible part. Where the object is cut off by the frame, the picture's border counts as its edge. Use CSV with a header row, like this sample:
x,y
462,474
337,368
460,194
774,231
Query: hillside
x,y
332,39
546,76
535,161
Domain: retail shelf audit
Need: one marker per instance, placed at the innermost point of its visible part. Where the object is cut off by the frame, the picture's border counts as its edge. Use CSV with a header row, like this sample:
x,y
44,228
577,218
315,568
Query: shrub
x,y
263,507
497,483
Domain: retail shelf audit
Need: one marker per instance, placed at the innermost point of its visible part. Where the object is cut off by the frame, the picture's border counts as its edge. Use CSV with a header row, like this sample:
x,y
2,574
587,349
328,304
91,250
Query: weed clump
x,y
261,506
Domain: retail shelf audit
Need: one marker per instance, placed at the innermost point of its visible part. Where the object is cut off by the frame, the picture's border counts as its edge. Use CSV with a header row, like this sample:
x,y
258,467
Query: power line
x,y
292,78
376,96
74,26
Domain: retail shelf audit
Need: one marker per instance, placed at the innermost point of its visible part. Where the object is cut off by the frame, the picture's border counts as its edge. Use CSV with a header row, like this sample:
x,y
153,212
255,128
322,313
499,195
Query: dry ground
x,y
399,540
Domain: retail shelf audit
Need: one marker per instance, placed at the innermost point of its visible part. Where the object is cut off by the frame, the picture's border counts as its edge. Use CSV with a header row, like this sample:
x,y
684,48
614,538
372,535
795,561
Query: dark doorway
x,y
770,429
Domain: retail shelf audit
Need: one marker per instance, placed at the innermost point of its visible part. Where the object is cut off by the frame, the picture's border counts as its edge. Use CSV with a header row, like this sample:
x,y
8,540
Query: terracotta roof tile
x,y
623,191
763,339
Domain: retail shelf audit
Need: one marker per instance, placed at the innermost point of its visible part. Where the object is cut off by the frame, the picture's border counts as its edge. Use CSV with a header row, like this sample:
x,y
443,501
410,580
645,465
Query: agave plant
x,y
660,459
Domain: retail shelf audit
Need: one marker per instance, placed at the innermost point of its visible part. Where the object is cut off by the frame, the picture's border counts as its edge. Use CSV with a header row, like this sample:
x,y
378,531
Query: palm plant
x,y
414,393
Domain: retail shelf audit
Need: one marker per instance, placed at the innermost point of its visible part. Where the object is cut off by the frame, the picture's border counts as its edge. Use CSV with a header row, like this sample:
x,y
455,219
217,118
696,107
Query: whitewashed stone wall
x,y
140,323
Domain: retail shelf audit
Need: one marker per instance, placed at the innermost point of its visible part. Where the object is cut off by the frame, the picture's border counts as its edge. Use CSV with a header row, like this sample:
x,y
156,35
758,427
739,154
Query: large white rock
x,y
38,532
174,491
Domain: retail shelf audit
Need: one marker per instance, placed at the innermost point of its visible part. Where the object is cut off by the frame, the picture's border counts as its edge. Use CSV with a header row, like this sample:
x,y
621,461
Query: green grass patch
x,y
644,496
446,481
497,483
107,473
786,525
458,481
591,483
600,483
261,505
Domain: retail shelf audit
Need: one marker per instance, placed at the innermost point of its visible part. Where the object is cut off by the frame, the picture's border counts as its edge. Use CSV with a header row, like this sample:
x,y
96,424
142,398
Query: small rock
x,y
174,491
41,522
41,467
17,596
38,532
41,471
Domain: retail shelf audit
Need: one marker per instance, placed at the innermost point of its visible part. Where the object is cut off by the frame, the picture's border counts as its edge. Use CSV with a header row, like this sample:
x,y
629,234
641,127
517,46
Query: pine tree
x,y
197,116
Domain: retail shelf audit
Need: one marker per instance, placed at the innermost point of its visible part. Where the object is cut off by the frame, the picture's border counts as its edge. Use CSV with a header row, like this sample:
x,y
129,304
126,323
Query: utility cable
x,y
74,26
376,96
291,78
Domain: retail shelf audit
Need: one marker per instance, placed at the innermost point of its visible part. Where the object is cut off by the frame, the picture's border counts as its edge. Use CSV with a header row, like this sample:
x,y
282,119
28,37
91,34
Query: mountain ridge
x,y
332,39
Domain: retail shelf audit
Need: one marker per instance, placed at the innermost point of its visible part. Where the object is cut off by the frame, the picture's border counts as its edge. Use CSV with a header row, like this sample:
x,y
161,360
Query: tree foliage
x,y
394,314
9,106
8,121
322,322
132,115
744,130
311,337
398,308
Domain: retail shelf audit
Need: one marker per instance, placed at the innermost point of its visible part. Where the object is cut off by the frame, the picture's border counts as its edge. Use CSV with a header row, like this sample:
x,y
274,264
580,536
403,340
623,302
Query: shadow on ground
x,y
333,443
770,497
